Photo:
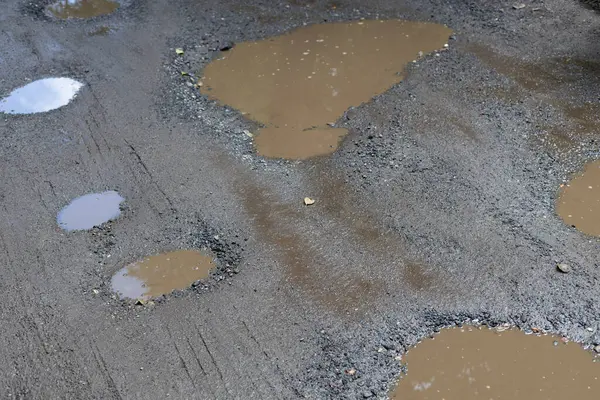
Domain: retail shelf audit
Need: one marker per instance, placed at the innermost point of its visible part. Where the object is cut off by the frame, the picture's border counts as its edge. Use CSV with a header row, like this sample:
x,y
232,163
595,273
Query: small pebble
x,y
564,268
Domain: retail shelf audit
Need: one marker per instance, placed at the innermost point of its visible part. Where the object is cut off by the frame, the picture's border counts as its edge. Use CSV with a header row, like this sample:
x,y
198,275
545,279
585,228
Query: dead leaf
x,y
519,6
351,371
179,51
308,201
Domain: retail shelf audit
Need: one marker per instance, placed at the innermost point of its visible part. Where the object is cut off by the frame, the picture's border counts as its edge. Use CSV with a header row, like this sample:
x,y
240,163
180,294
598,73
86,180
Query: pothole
x,y
472,363
65,9
298,84
90,210
578,203
161,274
40,96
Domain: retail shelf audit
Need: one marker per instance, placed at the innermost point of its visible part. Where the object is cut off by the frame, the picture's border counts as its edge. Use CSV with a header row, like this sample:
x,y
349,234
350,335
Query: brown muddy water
x,y
64,9
161,274
578,203
481,363
298,84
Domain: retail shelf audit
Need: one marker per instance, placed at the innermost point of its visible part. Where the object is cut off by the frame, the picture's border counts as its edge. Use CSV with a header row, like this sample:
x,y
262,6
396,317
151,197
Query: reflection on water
x,y
40,96
82,8
90,210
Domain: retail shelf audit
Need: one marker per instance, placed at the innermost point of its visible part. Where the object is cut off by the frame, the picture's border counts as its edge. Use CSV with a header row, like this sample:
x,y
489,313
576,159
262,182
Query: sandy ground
x,y
438,207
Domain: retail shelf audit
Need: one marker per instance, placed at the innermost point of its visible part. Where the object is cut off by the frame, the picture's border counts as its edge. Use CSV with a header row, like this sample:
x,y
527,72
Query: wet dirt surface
x,y
471,363
298,83
90,210
437,208
161,274
578,203
64,9
40,96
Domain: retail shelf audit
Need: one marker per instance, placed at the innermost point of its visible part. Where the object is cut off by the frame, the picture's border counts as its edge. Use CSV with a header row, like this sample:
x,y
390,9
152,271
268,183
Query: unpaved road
x,y
437,208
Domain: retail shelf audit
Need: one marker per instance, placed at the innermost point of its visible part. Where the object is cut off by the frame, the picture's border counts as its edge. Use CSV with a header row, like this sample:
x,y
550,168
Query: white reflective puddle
x,y
90,210
40,96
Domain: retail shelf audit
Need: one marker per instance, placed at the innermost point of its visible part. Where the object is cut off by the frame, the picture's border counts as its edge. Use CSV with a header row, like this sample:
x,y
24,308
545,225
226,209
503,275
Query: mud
x,y
299,83
474,363
100,31
436,209
305,267
90,210
578,203
64,9
161,274
40,96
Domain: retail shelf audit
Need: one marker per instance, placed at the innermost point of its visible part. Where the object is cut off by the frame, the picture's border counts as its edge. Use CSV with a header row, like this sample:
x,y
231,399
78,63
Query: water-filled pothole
x,y
300,83
90,210
472,363
64,9
40,96
578,203
161,274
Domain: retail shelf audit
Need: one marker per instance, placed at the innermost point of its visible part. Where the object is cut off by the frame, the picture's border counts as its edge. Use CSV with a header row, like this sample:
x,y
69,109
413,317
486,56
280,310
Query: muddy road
x,y
437,207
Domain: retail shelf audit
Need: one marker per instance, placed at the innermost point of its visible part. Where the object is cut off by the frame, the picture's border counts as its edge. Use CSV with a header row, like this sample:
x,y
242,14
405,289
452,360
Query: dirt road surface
x,y
438,207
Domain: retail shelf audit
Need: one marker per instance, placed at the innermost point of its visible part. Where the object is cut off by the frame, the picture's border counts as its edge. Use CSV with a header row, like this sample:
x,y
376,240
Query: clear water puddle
x,y
578,202
90,210
40,96
161,274
471,363
64,9
299,83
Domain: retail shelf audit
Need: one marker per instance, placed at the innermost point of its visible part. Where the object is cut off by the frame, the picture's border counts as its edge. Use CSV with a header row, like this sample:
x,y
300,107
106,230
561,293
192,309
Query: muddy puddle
x,y
298,84
100,31
472,363
90,210
161,274
64,9
578,202
40,96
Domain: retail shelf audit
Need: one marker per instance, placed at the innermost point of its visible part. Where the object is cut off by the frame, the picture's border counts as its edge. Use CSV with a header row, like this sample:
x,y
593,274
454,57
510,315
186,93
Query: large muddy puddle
x,y
90,210
64,9
578,203
40,96
298,84
161,274
472,363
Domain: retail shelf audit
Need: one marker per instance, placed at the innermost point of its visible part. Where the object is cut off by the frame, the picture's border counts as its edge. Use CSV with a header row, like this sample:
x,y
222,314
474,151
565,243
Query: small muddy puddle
x,y
161,274
100,31
40,96
82,8
578,202
471,363
297,84
90,210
